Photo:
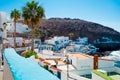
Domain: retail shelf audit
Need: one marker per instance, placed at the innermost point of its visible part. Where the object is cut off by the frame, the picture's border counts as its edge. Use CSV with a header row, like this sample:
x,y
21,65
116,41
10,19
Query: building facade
x,y
3,19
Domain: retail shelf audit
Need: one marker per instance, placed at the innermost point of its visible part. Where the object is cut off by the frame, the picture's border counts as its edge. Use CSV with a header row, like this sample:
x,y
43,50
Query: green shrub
x,y
36,56
46,67
30,53
50,71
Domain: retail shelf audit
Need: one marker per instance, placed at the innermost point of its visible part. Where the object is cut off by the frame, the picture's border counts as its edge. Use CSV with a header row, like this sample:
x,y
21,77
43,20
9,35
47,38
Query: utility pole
x,y
67,68
2,49
67,62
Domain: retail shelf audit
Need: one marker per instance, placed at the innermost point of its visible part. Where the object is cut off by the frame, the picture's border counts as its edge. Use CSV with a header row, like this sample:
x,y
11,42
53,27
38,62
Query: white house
x,y
19,41
84,65
58,42
3,19
86,62
83,40
20,28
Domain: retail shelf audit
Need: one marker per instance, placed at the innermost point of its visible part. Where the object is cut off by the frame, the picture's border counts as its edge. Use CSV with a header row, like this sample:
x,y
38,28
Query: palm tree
x,y
37,33
15,15
32,14
71,35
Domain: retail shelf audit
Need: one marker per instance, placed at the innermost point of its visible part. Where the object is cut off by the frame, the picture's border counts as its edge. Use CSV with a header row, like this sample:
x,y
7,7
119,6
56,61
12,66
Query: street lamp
x,y
67,56
4,27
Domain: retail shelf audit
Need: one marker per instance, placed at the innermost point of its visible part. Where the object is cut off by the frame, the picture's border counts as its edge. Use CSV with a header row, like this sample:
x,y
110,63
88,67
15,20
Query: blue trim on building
x,y
117,64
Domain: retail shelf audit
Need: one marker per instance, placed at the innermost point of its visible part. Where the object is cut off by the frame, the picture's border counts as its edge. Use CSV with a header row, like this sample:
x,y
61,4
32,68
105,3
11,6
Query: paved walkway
x,y
7,73
1,75
1,72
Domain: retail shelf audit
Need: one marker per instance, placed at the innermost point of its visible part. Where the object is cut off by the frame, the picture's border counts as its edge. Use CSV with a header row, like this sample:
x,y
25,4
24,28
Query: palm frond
x,y
15,14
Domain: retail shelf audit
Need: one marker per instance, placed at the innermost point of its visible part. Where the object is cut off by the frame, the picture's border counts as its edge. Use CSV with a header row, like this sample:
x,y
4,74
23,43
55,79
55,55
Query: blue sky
x,y
105,12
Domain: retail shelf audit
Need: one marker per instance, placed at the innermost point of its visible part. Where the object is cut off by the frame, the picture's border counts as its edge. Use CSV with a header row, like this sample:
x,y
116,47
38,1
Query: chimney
x,y
95,61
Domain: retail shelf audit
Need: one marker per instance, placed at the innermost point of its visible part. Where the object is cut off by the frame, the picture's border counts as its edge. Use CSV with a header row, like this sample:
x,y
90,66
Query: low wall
x,y
116,69
23,69
71,76
100,76
94,77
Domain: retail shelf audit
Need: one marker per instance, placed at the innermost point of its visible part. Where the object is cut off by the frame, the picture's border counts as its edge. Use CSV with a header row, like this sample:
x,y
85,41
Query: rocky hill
x,y
80,28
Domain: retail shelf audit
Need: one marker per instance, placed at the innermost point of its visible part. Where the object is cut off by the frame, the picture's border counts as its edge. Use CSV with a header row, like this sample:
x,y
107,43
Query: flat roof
x,y
64,67
85,56
81,56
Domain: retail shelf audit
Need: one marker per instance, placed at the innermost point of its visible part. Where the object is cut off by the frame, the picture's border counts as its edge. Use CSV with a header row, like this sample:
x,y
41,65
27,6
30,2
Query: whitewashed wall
x,y
74,61
82,72
116,69
74,76
96,77
83,64
106,65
